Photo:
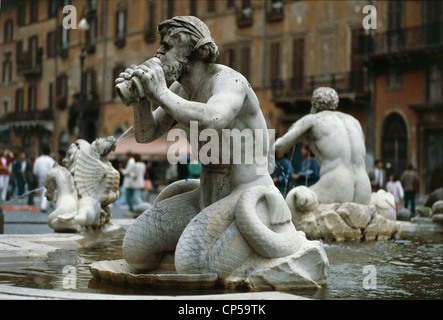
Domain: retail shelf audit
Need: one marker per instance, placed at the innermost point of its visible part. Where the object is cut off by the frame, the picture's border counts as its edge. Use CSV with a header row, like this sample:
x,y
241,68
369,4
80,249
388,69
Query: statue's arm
x,y
150,125
295,134
220,110
226,98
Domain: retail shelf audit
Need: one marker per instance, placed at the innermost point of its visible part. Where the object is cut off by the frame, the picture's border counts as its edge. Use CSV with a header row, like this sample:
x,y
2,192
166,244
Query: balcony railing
x,y
37,115
244,17
30,64
348,82
420,37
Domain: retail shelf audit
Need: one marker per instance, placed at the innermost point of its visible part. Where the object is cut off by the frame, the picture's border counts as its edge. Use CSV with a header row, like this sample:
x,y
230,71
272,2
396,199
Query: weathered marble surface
x,y
233,218
83,187
344,221
340,205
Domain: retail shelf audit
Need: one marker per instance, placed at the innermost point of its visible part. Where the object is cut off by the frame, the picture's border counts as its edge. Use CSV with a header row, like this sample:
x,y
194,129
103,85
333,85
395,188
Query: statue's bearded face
x,y
173,56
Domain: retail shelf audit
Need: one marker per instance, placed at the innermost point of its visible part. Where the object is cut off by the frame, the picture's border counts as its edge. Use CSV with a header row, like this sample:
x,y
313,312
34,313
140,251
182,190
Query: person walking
x,y
18,169
309,172
410,180
378,176
394,186
42,165
30,177
283,173
128,177
139,179
5,171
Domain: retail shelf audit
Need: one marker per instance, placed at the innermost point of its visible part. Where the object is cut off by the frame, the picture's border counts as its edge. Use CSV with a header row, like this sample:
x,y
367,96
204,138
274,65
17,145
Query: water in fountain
x,y
125,134
20,197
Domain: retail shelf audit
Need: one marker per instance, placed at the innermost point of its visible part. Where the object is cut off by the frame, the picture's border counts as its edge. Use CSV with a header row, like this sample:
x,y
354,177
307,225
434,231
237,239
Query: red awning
x,y
156,150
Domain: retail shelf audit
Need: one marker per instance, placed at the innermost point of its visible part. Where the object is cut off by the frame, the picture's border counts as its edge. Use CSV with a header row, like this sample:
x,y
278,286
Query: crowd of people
x,y
404,188
139,179
23,174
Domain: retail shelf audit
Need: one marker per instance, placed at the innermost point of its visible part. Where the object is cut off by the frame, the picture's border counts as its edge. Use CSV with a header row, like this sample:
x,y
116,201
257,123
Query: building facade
x,y
284,48
404,57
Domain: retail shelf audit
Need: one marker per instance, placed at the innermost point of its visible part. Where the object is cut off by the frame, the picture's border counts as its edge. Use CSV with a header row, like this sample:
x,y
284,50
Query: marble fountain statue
x,y
83,187
231,226
341,205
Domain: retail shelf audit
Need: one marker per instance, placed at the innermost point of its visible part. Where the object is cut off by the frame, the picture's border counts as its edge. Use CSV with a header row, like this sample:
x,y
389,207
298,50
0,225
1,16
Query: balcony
x,y
29,63
30,119
244,17
403,41
275,13
346,84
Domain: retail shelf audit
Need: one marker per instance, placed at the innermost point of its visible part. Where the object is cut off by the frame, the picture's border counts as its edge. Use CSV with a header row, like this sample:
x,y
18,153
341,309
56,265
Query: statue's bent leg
x,y
157,230
225,234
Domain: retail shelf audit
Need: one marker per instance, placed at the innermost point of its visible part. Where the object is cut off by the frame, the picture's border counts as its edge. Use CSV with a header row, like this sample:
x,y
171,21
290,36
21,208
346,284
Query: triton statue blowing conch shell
x,y
232,221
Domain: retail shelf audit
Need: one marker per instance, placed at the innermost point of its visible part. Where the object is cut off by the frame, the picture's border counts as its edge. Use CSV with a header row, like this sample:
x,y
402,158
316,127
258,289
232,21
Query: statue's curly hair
x,y
197,37
324,98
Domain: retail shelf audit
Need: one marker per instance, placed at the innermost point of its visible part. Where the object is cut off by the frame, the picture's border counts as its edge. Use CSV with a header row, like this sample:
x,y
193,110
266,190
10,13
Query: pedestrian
x,y
42,165
283,173
410,182
61,156
309,172
139,179
378,176
5,171
394,186
194,169
30,177
128,177
18,170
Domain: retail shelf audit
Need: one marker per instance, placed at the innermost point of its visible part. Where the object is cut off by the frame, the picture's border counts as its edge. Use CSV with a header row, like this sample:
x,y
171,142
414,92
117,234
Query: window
x,y
91,34
51,95
435,83
19,100
21,14
327,54
210,6
120,31
170,9
90,83
34,11
150,26
8,31
61,87
245,58
32,97
5,109
275,62
230,3
117,70
229,58
51,44
7,72
393,79
52,8
193,7
19,54
32,47
298,54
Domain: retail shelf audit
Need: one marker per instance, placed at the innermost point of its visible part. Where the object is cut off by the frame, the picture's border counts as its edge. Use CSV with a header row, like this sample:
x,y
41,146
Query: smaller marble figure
x,y
83,187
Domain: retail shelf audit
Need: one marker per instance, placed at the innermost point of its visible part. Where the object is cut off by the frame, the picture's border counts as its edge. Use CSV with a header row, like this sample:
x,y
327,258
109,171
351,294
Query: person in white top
x,y
128,177
42,165
395,187
138,182
5,170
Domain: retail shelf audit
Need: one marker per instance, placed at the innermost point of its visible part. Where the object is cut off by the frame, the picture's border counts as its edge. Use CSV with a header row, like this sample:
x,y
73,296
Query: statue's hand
x,y
126,75
153,79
